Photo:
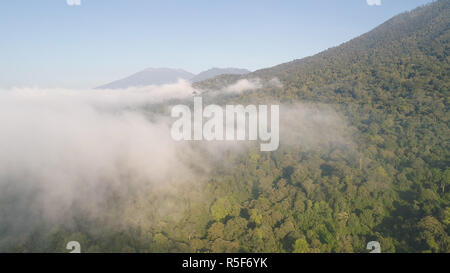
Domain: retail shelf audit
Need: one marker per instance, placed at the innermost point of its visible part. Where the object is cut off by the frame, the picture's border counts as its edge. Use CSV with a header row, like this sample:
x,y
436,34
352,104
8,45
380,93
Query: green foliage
x,y
224,207
301,246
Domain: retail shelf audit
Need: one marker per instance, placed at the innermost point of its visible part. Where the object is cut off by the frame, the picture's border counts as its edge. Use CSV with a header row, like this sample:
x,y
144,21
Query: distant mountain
x,y
213,72
150,76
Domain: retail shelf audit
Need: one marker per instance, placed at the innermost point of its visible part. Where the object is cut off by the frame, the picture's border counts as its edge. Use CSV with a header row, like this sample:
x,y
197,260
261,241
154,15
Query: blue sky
x,y
49,43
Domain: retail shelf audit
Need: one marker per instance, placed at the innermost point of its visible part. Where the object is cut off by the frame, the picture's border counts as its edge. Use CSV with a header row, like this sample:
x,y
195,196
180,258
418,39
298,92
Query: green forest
x,y
391,184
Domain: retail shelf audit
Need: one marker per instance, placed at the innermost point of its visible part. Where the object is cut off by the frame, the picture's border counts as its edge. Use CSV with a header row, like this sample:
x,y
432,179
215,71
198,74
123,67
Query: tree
x,y
301,246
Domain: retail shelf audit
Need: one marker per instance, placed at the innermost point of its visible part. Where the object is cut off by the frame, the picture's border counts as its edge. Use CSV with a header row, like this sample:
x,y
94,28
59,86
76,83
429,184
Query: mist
x,y
66,152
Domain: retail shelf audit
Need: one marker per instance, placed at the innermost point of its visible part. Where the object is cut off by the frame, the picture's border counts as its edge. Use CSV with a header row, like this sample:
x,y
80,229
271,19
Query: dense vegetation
x,y
392,86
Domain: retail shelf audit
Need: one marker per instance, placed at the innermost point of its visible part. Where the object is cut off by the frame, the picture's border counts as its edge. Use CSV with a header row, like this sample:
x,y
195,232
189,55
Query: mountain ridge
x,y
397,28
149,76
164,75
215,71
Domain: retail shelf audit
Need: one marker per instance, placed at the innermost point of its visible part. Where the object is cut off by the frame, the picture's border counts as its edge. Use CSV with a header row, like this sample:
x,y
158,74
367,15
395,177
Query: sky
x,y
87,43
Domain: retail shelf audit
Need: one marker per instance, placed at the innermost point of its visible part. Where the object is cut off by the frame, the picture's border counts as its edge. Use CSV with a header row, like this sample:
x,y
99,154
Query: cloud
x,y
275,82
129,97
373,2
243,85
70,152
64,149
73,2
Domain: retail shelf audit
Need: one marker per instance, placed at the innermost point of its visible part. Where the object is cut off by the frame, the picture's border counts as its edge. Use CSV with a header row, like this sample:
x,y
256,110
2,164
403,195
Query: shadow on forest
x,y
401,221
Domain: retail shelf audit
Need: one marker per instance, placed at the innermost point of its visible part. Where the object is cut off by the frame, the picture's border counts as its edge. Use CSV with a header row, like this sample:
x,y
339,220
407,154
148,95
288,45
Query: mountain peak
x,y
165,75
150,76
216,71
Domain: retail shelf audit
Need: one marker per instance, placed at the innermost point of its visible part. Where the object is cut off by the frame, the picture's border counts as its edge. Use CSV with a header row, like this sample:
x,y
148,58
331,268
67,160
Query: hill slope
x,y
392,84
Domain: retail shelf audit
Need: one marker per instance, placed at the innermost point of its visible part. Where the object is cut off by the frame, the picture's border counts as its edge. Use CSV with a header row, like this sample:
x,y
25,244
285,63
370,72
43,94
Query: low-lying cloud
x,y
64,149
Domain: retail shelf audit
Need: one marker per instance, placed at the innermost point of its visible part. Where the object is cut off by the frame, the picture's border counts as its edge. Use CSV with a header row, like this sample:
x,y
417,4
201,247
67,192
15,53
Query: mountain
x,y
392,86
213,72
150,76
407,38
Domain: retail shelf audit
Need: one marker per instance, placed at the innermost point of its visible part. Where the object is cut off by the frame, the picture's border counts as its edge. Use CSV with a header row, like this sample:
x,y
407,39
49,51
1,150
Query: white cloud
x,y
243,85
72,148
373,2
73,2
65,151
68,147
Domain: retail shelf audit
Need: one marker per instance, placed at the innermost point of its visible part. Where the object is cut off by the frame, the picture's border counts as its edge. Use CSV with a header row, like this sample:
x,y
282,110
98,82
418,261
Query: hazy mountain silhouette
x,y
213,72
150,76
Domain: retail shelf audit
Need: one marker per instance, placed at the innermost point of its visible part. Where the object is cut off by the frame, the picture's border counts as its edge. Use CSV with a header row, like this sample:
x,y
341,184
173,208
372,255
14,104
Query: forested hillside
x,y
389,182
392,83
